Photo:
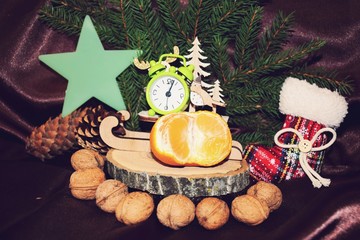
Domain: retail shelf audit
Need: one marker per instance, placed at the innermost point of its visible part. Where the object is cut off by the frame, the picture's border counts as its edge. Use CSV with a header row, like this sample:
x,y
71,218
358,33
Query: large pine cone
x,y
55,136
88,135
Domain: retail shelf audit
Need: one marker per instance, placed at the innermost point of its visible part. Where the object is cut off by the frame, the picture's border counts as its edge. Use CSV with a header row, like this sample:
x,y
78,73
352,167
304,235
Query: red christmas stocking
x,y
310,113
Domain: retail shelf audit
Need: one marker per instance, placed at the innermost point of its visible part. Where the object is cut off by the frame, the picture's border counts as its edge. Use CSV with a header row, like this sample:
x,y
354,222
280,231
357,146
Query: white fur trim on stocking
x,y
302,99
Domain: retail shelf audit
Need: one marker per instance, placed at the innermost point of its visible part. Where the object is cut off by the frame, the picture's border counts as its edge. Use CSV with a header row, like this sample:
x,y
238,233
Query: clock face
x,y
167,94
196,99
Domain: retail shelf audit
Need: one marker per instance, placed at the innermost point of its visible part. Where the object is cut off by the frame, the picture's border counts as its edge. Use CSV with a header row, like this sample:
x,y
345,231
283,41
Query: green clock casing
x,y
168,91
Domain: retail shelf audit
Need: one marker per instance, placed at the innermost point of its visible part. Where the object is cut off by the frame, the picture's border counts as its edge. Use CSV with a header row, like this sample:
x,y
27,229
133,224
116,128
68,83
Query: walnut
x,y
134,208
212,213
87,158
268,192
109,193
249,210
84,182
175,211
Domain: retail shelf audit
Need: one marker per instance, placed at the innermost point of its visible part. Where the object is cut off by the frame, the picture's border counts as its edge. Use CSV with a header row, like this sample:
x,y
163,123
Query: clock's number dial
x,y
196,99
167,94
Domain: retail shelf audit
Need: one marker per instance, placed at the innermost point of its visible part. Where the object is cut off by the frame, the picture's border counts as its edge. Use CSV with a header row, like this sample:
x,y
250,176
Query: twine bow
x,y
304,147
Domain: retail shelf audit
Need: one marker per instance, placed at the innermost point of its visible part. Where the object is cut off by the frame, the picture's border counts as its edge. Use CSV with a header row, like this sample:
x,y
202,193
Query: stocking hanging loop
x,y
301,138
327,145
282,131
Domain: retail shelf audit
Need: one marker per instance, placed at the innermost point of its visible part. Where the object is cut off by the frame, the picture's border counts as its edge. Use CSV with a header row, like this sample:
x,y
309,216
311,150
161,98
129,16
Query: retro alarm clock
x,y
168,90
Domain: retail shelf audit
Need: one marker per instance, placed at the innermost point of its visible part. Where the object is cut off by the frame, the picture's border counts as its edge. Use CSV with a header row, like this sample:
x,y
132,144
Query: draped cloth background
x,y
35,200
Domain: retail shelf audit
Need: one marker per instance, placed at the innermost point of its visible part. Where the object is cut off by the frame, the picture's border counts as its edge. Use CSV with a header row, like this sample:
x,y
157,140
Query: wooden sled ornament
x,y
130,161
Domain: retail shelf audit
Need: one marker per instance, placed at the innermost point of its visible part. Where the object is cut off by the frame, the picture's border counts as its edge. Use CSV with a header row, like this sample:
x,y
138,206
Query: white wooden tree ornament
x,y
215,92
196,58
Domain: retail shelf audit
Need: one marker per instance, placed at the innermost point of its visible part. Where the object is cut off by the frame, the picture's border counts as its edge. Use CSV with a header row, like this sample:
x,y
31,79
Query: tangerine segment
x,y
200,138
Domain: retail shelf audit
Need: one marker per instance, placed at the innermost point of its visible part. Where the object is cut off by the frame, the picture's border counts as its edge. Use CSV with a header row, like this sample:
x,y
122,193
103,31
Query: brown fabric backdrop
x,y
35,200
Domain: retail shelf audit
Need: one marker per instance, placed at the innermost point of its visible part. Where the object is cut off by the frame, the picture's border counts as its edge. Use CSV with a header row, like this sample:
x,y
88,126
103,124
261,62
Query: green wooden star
x,y
91,70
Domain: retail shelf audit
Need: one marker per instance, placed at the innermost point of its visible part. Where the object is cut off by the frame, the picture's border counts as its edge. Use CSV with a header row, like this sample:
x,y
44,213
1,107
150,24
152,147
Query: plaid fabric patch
x,y
277,164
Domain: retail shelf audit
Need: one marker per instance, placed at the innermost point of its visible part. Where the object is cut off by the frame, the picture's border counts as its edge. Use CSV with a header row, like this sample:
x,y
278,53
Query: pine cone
x,y
88,129
55,136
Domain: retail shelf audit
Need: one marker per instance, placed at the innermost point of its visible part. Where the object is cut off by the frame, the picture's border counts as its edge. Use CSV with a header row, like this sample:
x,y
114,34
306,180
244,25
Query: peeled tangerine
x,y
200,138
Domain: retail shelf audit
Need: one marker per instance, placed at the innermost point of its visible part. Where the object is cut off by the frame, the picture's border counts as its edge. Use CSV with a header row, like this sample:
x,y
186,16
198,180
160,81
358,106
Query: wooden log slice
x,y
139,170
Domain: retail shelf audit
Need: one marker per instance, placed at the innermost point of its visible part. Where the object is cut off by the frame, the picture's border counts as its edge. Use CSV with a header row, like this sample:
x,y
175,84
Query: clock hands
x,y
168,93
166,104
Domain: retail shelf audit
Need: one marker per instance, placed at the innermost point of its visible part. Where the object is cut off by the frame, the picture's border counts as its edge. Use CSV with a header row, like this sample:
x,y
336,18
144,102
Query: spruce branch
x,y
219,58
285,59
324,78
89,7
69,22
68,18
246,38
123,7
225,17
254,128
132,89
250,63
147,21
169,12
198,12
274,37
